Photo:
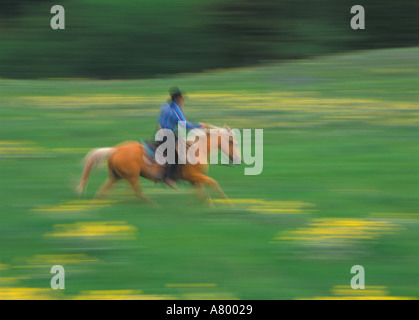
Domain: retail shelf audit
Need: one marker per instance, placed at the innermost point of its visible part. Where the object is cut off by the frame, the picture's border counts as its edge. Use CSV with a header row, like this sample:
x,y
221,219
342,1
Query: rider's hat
x,y
175,93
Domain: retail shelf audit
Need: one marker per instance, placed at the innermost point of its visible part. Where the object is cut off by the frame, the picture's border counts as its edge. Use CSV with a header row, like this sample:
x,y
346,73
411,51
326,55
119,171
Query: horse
x,y
129,161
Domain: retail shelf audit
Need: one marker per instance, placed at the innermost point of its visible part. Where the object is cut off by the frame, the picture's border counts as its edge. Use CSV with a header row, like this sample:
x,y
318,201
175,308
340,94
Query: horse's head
x,y
226,140
229,144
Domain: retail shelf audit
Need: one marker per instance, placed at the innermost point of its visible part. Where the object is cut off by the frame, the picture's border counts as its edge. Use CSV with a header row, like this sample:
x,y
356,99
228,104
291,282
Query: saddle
x,y
150,148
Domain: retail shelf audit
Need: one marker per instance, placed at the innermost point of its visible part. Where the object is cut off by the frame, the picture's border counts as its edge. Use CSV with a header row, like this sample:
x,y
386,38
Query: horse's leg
x,y
203,194
214,184
136,186
109,183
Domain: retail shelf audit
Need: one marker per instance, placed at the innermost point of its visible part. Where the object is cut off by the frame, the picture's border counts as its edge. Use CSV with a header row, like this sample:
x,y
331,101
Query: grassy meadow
x,y
339,186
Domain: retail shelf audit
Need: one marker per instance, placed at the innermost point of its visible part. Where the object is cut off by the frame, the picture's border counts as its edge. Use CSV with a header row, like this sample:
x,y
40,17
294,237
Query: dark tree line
x,y
134,39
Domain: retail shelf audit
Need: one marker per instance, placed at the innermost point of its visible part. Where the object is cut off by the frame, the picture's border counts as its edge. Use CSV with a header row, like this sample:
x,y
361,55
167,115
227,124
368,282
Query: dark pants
x,y
170,171
170,168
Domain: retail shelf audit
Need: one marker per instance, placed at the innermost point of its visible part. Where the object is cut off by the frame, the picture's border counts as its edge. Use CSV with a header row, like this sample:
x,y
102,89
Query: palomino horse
x,y
129,161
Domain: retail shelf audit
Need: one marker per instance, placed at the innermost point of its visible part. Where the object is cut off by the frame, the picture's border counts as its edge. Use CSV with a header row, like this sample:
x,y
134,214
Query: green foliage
x,y
126,39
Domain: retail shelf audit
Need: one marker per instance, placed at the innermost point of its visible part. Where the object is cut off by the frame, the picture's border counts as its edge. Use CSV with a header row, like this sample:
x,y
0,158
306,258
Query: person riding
x,y
171,114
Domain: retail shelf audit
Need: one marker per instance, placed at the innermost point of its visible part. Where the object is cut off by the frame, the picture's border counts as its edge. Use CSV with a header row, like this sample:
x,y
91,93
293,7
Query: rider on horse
x,y
171,114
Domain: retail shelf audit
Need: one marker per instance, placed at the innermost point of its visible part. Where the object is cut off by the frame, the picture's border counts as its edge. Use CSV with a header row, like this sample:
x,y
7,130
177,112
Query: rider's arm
x,y
192,125
181,117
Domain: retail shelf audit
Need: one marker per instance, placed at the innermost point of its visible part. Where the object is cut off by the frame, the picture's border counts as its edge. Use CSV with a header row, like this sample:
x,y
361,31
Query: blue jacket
x,y
170,114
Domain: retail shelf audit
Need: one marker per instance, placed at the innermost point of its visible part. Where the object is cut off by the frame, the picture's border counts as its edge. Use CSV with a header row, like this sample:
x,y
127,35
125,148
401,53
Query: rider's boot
x,y
168,173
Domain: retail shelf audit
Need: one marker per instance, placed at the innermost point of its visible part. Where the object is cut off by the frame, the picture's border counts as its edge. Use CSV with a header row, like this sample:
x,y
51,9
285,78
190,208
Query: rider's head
x,y
176,95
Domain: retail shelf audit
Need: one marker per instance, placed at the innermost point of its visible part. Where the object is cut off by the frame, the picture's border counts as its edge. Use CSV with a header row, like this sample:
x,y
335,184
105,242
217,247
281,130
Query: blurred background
x,y
340,113
148,38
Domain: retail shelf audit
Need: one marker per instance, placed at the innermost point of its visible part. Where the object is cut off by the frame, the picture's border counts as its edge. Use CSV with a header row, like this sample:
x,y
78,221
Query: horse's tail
x,y
94,157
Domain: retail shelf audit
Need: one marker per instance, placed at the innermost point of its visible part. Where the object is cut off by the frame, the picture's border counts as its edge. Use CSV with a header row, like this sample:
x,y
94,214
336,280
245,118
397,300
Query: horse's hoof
x,y
153,204
79,190
171,184
210,203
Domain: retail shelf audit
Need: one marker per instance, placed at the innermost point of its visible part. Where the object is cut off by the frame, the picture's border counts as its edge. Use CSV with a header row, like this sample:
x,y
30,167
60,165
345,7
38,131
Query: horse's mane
x,y
208,127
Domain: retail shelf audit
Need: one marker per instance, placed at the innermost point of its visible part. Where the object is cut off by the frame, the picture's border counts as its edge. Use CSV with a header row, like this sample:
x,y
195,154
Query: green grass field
x,y
339,186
